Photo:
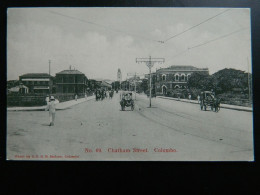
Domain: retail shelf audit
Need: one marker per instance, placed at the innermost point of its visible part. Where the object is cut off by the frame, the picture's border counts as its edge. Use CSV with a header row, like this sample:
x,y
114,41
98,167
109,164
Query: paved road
x,y
170,130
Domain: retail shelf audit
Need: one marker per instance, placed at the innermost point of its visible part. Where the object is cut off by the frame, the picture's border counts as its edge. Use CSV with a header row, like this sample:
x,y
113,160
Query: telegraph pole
x,y
150,62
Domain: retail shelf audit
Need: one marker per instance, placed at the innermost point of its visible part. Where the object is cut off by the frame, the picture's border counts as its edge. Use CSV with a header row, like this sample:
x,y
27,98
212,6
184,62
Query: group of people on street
x,y
102,94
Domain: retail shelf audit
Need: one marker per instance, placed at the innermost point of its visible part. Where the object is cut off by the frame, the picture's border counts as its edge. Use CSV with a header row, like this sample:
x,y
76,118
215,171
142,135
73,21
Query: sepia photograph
x,y
129,84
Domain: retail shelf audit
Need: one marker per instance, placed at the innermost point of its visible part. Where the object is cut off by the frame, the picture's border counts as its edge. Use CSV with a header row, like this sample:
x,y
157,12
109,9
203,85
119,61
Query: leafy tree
x,y
222,81
228,79
200,81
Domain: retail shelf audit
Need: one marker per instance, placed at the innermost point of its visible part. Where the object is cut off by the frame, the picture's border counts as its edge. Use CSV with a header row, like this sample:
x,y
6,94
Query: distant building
x,y
93,84
104,83
22,89
119,75
174,77
37,82
71,82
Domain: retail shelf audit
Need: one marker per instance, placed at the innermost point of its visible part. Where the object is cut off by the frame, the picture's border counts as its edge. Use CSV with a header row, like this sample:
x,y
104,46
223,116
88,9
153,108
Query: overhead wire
x,y
210,41
178,34
101,26
221,37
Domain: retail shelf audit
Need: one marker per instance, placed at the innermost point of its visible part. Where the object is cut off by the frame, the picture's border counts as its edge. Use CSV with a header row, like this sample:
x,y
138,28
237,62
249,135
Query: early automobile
x,y
208,99
127,101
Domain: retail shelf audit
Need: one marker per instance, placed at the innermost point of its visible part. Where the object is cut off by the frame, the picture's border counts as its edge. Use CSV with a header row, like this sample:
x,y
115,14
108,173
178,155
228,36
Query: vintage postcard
x,y
129,84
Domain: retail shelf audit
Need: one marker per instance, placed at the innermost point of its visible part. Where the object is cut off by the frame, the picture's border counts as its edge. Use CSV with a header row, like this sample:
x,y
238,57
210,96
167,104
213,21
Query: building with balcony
x,y
71,82
174,77
41,83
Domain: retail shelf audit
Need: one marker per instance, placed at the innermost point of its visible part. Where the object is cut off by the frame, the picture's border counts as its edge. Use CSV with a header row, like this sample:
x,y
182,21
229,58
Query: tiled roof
x,y
70,72
36,75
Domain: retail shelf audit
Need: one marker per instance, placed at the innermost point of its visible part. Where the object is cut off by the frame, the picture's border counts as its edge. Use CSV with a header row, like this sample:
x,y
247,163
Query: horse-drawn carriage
x,y
127,101
208,99
100,94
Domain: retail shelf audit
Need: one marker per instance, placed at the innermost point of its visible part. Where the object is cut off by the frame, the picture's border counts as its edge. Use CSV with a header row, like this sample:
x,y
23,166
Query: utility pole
x,y
150,62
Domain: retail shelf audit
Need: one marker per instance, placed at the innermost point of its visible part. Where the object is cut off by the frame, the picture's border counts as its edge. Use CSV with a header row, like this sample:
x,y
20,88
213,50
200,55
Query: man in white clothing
x,y
51,108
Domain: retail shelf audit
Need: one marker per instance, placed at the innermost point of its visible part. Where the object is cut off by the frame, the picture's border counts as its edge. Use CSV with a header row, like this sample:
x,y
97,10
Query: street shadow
x,y
46,124
126,110
152,107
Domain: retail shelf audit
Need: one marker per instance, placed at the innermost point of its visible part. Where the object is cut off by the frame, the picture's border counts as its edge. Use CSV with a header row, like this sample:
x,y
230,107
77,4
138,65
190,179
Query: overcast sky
x,y
98,41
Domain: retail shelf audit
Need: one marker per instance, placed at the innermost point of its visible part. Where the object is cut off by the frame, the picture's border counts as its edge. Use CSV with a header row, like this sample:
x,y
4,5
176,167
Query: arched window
x,y
164,77
182,77
176,77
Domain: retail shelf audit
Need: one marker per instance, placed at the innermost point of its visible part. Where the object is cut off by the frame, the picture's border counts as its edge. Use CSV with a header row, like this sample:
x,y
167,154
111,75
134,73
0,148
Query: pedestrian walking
x,y
86,96
198,98
51,108
190,97
76,97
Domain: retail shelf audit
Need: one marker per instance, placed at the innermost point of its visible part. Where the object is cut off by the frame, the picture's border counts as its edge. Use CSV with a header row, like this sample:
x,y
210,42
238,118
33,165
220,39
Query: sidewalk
x,y
59,106
227,106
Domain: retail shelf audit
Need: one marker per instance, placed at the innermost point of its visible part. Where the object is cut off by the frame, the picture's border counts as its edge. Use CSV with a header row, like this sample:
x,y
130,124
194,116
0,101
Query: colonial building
x,y
174,77
104,84
37,82
71,82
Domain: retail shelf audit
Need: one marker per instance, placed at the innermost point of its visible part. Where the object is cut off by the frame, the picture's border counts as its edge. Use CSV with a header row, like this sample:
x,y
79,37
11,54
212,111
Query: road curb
x,y
42,108
222,106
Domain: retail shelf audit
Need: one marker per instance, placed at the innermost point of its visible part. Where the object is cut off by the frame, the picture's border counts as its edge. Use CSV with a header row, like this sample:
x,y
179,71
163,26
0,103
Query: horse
x,y
216,104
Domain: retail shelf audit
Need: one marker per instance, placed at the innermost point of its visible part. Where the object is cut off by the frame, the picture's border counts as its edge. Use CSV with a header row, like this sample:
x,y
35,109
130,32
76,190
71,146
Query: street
x,y
99,130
